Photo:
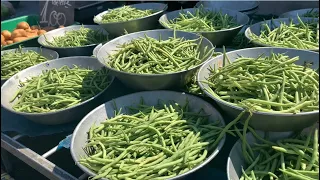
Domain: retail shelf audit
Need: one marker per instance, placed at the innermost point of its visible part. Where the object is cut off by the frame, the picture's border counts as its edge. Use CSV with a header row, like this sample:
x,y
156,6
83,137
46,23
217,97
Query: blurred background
x,y
85,10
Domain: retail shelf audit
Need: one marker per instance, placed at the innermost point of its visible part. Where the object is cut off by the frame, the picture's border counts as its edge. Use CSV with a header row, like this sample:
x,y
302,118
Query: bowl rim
x,y
248,31
219,101
53,52
96,49
287,14
254,7
60,110
131,5
70,28
206,161
212,10
153,75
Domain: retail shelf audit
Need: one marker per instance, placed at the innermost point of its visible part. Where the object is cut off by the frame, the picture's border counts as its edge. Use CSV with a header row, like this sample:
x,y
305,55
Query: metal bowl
x,y
47,53
96,50
135,25
73,113
247,7
106,110
256,28
299,12
276,122
151,81
69,51
219,37
235,159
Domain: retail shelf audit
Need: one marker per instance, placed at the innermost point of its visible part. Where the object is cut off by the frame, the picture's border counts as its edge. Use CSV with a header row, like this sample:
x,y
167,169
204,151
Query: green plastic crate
x,y
11,24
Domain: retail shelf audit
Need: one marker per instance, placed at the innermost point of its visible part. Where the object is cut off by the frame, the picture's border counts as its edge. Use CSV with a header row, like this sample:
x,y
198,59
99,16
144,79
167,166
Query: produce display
x,y
289,158
77,38
312,13
268,84
169,139
201,20
150,142
15,61
153,56
22,32
303,35
58,89
125,13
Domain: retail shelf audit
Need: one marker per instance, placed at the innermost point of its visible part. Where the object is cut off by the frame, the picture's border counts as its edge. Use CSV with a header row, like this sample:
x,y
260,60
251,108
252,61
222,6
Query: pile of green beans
x,y
304,35
151,56
267,84
77,38
58,89
201,20
16,61
290,158
312,13
125,13
193,87
151,142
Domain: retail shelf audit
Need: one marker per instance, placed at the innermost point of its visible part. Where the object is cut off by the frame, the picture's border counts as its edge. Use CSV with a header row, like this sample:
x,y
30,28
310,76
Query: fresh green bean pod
x,y
295,161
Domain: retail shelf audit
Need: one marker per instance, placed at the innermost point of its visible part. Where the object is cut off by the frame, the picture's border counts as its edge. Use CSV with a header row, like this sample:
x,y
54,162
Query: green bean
x,y
47,92
76,38
240,41
149,56
280,86
302,35
192,87
244,142
202,20
312,13
315,152
16,61
146,145
125,13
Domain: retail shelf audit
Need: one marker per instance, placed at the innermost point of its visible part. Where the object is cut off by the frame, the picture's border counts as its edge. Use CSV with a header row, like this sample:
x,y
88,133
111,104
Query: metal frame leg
x,y
34,160
5,160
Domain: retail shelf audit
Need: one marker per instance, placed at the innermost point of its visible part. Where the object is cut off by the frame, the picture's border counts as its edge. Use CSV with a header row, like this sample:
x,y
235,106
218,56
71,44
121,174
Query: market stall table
x,y
46,148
